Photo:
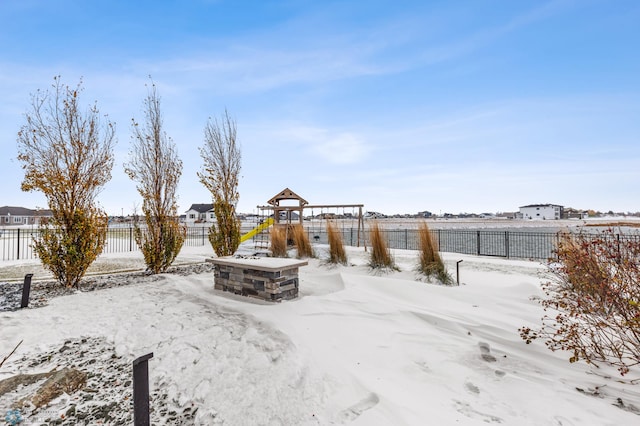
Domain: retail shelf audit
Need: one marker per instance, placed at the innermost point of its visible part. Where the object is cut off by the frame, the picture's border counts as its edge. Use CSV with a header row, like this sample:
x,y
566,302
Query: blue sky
x,y
405,106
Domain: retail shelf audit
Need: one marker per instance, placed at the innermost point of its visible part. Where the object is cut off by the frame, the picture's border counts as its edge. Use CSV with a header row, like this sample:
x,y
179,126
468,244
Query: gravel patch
x,y
107,397
42,291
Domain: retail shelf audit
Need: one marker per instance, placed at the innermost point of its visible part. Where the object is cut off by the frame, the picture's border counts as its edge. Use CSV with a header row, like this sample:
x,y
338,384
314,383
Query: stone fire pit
x,y
266,278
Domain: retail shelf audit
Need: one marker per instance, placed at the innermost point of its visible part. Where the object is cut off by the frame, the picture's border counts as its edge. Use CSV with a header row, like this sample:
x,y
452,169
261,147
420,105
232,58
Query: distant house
x,y
541,211
570,213
199,213
374,215
13,216
507,215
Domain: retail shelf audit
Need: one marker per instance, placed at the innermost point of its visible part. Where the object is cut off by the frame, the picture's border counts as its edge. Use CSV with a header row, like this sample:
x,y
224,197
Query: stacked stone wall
x,y
261,284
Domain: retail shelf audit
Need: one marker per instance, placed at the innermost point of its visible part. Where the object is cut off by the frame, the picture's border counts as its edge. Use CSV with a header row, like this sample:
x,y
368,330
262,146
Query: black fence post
x,y
141,390
506,244
26,290
458,272
478,242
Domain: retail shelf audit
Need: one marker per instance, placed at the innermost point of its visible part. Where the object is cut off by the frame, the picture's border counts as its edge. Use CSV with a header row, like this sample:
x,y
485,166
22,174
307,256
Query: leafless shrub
x,y
593,301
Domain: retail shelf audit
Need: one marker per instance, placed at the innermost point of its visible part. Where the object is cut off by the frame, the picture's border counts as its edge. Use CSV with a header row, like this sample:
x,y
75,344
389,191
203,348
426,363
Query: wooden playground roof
x,y
286,194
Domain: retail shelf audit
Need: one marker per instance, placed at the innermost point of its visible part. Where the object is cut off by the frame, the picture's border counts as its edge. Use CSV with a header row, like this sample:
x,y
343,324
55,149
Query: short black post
x,y
458,271
26,289
141,390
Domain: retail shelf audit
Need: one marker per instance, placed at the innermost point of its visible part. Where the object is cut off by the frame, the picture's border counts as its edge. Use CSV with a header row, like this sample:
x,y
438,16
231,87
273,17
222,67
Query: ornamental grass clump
x,y
380,254
278,243
337,253
592,308
431,264
301,241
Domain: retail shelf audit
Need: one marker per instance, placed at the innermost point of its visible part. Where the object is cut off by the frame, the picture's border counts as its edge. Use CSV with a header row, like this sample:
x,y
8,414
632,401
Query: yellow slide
x,y
258,229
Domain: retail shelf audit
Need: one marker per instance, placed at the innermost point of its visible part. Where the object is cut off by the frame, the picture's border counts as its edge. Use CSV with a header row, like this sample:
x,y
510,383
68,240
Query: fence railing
x,y
509,244
16,243
537,245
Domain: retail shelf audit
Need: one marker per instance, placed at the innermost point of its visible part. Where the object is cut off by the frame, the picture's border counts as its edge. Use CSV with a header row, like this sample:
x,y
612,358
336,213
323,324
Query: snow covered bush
x,y
593,300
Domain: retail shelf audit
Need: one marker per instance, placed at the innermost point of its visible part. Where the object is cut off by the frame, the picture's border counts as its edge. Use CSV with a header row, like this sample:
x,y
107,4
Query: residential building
x,y
570,213
14,216
541,211
199,213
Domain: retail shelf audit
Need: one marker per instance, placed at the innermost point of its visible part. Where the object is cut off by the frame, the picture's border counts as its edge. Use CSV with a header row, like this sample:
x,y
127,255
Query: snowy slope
x,y
355,348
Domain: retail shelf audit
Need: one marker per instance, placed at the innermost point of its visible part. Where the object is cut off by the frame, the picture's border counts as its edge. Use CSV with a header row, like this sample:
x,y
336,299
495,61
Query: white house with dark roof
x,y
199,213
541,211
14,216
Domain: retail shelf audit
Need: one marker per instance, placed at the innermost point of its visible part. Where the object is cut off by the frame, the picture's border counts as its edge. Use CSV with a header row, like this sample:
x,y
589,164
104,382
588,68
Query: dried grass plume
x,y
278,245
337,253
301,241
380,254
431,264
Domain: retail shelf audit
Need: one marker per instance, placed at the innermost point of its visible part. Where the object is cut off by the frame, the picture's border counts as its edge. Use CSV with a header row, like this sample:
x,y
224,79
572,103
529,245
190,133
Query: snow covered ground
x,y
357,347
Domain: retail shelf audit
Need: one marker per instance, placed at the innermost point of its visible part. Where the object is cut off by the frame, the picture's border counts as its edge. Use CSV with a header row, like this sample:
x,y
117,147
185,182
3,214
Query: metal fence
x,y
16,243
508,244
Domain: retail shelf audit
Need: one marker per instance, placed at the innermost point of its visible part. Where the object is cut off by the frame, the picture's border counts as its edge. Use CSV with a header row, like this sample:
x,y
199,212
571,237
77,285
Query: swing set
x,y
287,208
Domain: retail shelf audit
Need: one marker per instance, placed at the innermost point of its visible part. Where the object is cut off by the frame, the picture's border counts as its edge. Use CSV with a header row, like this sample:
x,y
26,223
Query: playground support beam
x,y
322,206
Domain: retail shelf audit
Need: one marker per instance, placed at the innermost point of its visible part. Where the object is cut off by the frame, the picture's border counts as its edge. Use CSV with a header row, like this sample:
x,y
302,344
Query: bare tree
x,y
155,166
220,175
67,154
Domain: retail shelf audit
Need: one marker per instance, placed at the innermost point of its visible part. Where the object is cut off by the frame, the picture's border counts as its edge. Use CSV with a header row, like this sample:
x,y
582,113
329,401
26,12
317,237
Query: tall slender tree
x,y
220,175
67,154
155,166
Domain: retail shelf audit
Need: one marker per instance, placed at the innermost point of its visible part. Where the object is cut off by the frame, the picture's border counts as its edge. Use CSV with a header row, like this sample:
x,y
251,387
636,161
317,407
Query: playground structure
x,y
287,209
257,230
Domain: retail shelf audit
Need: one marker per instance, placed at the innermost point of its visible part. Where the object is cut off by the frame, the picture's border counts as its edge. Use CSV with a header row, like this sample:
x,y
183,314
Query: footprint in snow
x,y
355,410
485,352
